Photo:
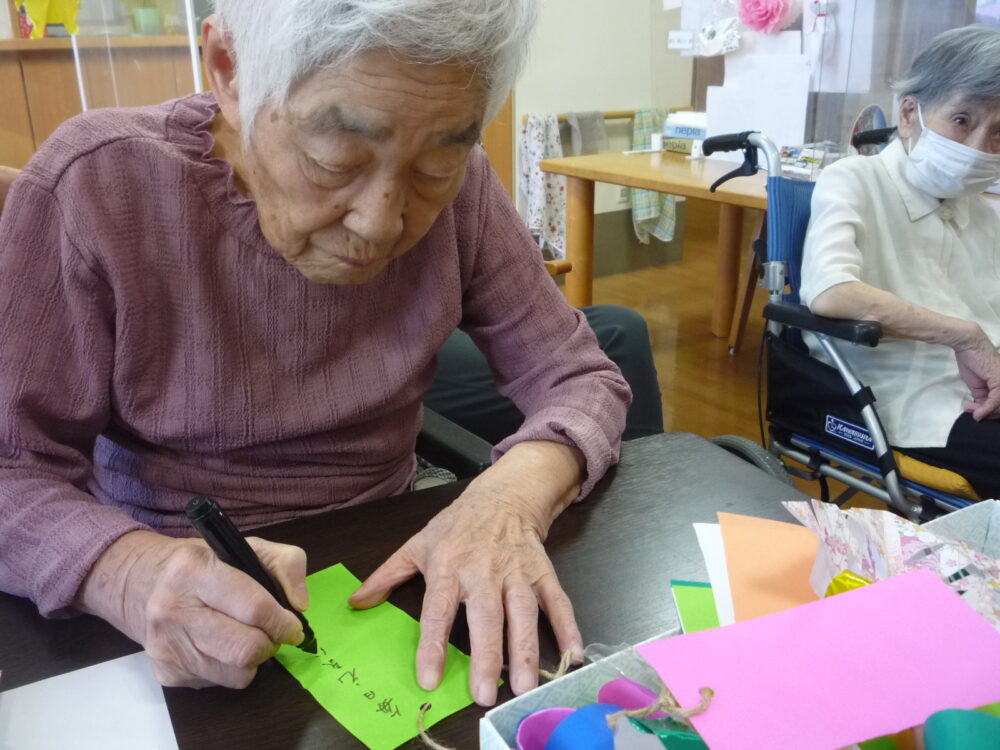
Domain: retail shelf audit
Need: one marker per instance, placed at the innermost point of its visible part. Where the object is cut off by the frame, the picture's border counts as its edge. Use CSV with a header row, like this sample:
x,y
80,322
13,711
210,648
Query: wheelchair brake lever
x,y
747,169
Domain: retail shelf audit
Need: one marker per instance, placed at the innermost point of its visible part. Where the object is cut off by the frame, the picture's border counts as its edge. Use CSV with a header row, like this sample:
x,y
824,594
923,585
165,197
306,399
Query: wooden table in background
x,y
665,173
615,554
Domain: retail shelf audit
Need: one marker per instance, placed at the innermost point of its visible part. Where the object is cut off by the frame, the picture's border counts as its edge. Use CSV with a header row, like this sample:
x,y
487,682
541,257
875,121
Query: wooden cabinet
x,y
17,142
40,85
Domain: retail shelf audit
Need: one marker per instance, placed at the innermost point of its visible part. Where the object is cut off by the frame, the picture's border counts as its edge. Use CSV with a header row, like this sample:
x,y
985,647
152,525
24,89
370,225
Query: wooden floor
x,y
705,390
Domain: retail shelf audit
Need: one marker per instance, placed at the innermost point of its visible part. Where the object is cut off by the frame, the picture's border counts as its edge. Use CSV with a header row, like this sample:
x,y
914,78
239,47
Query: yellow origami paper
x,y
43,12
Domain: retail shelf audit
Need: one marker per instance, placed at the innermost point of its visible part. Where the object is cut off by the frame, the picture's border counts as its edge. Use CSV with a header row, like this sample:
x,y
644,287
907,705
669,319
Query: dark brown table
x,y
615,554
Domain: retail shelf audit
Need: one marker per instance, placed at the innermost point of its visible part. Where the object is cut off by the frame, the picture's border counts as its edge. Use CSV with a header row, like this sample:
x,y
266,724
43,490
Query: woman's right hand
x,y
201,621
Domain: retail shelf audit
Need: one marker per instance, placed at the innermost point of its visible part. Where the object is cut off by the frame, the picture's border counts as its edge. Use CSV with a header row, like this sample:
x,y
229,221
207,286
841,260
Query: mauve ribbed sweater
x,y
154,346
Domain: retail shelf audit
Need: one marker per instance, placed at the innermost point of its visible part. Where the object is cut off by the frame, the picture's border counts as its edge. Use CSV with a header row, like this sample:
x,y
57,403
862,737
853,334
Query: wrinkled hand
x,y
202,622
979,367
485,551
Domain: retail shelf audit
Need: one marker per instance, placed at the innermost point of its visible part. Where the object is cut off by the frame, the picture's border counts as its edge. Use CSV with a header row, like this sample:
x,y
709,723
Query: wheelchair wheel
x,y
752,453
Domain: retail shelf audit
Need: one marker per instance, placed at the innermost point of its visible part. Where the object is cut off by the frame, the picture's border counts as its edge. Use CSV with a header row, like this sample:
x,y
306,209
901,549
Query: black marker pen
x,y
229,546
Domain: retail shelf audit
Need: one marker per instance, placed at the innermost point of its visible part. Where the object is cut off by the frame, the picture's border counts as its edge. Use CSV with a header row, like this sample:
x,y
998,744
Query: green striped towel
x,y
652,213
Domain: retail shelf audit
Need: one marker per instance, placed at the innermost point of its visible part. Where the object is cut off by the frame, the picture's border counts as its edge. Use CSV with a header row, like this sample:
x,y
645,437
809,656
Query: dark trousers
x,y
973,450
464,390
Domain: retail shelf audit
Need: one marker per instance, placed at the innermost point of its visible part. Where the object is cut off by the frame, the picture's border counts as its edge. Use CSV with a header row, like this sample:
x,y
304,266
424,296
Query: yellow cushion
x,y
932,476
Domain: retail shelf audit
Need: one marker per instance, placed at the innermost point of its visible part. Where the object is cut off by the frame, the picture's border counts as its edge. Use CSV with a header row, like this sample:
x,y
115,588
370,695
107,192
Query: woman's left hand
x,y
485,551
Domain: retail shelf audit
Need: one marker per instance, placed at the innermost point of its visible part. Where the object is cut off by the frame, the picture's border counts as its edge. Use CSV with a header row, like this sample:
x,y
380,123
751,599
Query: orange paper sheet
x,y
769,563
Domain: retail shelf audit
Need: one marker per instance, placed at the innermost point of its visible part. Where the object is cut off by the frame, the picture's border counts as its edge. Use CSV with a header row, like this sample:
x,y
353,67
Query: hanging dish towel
x,y
652,213
587,132
543,194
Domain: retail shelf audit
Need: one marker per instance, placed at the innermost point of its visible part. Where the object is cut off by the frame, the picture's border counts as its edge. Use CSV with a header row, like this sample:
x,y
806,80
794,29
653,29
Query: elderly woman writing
x,y
242,294
906,238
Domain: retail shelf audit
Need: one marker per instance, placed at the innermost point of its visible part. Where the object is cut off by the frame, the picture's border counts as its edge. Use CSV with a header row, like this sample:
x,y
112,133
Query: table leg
x,y
580,241
727,269
749,281
744,298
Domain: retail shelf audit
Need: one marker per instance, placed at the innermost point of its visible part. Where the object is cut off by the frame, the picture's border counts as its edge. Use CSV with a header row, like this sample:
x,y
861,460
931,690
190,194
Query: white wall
x,y
586,55
672,73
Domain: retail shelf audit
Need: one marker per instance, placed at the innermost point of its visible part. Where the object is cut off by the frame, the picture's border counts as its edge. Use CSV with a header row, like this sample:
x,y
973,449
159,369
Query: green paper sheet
x,y
879,743
695,605
364,673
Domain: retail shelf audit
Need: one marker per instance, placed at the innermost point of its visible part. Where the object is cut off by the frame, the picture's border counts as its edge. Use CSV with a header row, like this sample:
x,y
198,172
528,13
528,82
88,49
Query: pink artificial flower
x,y
769,16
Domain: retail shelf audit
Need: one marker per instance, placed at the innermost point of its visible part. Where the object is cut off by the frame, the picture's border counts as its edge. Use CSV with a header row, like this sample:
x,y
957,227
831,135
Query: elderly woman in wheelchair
x,y
906,239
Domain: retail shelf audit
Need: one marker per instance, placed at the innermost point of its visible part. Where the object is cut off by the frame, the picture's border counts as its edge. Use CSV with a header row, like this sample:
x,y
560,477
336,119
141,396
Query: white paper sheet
x,y
712,549
774,103
754,43
766,89
693,13
117,705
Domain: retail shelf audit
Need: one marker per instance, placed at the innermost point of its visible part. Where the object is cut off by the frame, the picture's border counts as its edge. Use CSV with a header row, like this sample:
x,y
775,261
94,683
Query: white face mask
x,y
947,169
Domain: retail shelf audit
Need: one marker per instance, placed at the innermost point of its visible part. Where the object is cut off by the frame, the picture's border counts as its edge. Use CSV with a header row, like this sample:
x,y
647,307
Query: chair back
x,y
788,205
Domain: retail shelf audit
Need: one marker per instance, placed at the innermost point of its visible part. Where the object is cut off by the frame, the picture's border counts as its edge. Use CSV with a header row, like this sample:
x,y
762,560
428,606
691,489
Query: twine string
x,y
565,662
422,732
666,703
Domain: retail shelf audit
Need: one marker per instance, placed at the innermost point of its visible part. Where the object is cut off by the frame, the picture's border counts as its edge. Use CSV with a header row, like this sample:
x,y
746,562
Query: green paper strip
x,y
992,709
364,673
671,734
879,743
695,605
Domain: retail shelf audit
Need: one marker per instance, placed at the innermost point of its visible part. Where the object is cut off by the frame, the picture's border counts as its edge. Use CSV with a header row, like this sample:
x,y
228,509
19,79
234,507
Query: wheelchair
x,y
821,417
447,451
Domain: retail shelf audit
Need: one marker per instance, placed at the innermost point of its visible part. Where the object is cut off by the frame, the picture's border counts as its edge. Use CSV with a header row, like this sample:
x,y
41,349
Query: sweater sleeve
x,y
832,253
57,320
544,355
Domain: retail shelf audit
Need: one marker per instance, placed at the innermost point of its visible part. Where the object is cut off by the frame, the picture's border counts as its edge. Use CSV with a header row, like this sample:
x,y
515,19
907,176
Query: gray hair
x,y
963,61
278,43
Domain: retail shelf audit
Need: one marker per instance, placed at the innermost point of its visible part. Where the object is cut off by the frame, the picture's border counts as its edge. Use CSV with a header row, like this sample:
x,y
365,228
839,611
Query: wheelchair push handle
x,y
728,142
872,137
748,142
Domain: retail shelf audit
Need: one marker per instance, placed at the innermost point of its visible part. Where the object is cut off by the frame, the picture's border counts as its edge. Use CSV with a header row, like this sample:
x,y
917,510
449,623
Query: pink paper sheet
x,y
837,671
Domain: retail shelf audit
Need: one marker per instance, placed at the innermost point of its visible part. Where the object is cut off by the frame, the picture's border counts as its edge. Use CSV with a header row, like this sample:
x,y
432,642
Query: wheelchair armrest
x,y
450,446
856,331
